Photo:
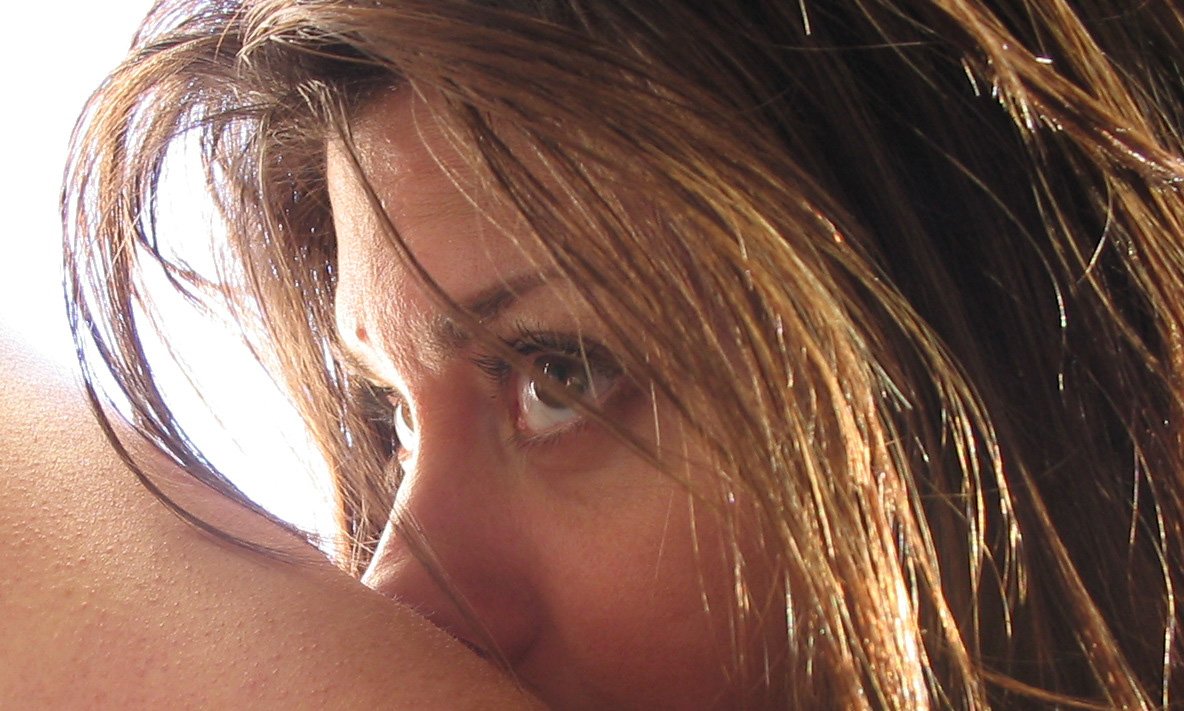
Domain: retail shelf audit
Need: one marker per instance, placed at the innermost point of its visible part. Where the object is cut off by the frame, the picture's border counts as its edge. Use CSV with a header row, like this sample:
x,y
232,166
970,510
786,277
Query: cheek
x,y
647,597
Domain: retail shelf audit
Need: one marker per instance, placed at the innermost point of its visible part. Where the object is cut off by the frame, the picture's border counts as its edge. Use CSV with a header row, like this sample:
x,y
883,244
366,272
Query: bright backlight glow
x,y
56,54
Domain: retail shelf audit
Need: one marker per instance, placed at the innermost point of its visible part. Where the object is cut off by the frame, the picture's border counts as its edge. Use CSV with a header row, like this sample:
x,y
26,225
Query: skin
x,y
576,557
111,602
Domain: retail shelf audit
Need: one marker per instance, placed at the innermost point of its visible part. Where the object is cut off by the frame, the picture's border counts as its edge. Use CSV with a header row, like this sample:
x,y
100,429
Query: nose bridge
x,y
356,276
453,549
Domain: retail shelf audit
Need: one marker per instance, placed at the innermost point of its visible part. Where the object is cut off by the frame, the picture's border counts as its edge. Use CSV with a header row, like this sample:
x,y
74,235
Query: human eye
x,y
561,371
397,421
545,394
406,436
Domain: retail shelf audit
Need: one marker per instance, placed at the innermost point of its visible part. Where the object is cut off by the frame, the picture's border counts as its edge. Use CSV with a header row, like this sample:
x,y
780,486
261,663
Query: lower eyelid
x,y
527,441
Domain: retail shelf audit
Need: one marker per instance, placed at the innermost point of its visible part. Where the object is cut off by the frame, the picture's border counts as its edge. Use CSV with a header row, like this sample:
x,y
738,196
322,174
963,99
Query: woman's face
x,y
590,571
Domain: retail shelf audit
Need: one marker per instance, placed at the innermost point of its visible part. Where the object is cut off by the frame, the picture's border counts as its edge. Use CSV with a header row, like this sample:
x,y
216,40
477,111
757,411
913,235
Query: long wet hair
x,y
939,246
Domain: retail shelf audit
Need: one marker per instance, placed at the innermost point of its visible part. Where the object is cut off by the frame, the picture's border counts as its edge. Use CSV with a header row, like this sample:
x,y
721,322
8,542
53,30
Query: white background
x,y
54,55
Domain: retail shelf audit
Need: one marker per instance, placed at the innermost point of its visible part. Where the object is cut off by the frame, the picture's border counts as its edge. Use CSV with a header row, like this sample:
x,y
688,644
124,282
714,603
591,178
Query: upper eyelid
x,y
529,342
378,386
387,393
357,366
526,340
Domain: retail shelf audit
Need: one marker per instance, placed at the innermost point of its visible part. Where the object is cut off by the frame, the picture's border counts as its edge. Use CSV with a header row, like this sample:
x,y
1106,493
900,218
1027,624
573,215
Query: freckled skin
x,y
108,601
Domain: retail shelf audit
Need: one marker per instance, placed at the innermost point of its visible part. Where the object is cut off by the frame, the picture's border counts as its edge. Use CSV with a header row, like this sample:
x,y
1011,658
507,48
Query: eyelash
x,y
527,341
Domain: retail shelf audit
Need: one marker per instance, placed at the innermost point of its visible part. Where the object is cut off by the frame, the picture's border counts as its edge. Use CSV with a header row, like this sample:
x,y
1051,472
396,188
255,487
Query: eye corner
x,y
403,425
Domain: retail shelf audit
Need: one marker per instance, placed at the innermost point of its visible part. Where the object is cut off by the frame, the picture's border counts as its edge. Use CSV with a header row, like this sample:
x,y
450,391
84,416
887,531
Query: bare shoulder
x,y
110,601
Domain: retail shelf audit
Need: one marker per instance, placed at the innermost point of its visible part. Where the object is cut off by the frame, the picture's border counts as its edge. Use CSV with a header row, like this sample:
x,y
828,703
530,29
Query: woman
x,y
757,354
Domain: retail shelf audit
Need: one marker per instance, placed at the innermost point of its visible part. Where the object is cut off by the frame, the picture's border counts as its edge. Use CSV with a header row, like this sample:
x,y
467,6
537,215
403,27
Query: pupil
x,y
563,374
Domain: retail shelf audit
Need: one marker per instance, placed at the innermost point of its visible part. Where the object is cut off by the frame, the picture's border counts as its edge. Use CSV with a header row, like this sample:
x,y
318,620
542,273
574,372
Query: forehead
x,y
453,228
450,222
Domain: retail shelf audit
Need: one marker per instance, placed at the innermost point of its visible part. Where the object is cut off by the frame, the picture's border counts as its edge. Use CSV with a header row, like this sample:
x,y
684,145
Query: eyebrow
x,y
485,306
445,335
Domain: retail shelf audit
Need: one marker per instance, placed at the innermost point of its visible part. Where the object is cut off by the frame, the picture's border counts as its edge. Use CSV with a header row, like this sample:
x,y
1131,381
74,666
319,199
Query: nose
x,y
454,549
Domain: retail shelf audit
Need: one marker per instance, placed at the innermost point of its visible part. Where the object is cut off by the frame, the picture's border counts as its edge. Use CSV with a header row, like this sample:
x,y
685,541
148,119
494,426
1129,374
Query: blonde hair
x,y
938,242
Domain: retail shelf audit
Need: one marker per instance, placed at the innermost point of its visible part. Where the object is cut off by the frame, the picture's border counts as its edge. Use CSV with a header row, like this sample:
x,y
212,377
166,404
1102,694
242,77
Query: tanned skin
x,y
109,600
